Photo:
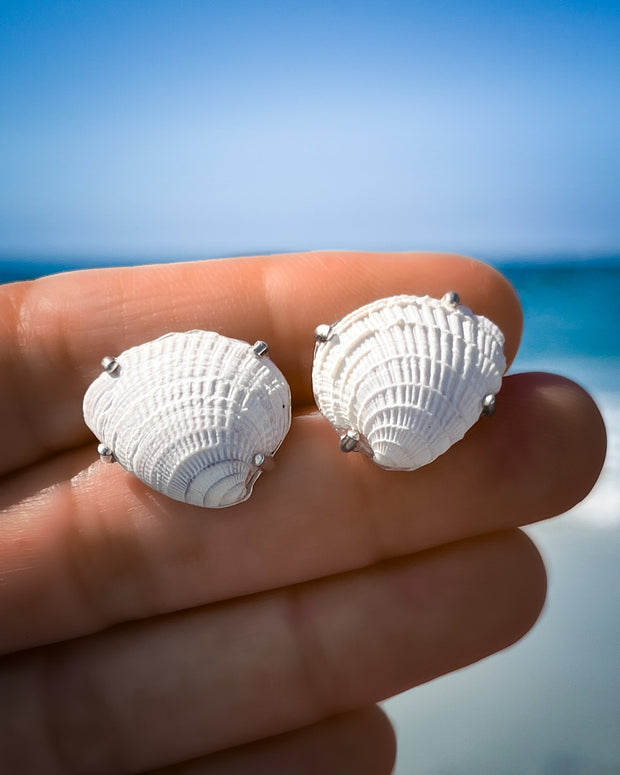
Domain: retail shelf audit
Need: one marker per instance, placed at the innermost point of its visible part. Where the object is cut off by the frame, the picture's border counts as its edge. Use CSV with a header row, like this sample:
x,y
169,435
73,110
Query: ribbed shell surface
x,y
188,413
409,374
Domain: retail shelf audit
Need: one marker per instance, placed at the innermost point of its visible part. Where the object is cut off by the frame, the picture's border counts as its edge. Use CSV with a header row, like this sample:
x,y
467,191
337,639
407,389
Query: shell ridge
x,y
411,376
358,360
341,369
206,479
399,378
186,403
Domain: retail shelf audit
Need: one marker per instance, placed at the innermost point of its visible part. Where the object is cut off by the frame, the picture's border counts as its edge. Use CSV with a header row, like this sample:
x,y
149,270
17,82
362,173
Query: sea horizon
x,y
26,265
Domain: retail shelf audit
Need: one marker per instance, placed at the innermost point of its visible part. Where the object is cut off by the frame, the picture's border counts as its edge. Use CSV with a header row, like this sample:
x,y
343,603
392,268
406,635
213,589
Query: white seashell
x,y
193,415
404,378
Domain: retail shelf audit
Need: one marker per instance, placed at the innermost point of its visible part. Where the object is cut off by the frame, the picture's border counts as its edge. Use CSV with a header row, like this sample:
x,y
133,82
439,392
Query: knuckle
x,y
107,560
313,667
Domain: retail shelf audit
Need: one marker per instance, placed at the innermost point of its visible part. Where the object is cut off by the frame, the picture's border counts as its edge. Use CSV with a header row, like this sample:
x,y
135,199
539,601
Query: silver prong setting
x,y
349,441
106,454
324,332
452,299
260,349
489,402
110,365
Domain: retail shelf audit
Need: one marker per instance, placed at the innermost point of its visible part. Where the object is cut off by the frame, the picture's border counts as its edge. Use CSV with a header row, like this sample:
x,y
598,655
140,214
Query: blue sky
x,y
154,129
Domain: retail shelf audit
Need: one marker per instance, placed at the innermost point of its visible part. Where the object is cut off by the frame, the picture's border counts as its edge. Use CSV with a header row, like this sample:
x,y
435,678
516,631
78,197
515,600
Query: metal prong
x,y
323,333
349,441
110,364
488,405
106,454
260,348
258,459
452,298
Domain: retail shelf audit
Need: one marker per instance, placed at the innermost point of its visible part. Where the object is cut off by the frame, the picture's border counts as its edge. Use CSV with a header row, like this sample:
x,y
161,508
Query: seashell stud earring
x,y
404,378
194,415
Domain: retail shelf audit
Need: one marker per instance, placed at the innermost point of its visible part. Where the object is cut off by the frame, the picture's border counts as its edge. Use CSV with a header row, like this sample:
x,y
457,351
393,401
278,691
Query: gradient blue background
x,y
183,129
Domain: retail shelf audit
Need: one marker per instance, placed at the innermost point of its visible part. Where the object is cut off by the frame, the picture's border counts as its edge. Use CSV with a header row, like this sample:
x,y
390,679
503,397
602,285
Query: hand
x,y
141,633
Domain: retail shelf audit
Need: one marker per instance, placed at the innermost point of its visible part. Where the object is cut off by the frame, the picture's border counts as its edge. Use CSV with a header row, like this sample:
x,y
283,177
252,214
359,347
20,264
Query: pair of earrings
x,y
198,415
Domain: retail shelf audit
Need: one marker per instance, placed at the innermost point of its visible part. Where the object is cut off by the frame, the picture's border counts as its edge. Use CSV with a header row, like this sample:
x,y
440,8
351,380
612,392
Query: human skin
x,y
140,634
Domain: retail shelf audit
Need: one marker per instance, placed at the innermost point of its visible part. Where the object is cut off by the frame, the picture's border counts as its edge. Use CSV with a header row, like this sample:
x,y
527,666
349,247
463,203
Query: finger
x,y
104,549
54,332
163,691
361,742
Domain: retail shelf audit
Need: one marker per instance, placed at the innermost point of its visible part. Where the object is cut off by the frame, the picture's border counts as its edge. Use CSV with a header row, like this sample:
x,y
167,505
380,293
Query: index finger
x,y
54,331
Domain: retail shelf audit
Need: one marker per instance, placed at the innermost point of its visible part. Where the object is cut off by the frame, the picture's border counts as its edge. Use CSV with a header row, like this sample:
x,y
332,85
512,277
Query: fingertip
x,y
589,435
508,575
361,742
580,440
529,566
504,308
368,737
334,283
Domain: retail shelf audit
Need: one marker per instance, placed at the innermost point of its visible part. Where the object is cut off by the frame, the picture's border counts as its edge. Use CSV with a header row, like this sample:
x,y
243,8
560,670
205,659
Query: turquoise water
x,y
572,315
551,704
576,306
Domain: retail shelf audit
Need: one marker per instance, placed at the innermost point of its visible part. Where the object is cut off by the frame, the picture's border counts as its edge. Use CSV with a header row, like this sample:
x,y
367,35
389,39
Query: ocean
x,y
550,705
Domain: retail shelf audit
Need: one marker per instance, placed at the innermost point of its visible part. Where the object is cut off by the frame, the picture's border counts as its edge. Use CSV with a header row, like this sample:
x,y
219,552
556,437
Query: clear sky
x,y
175,129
